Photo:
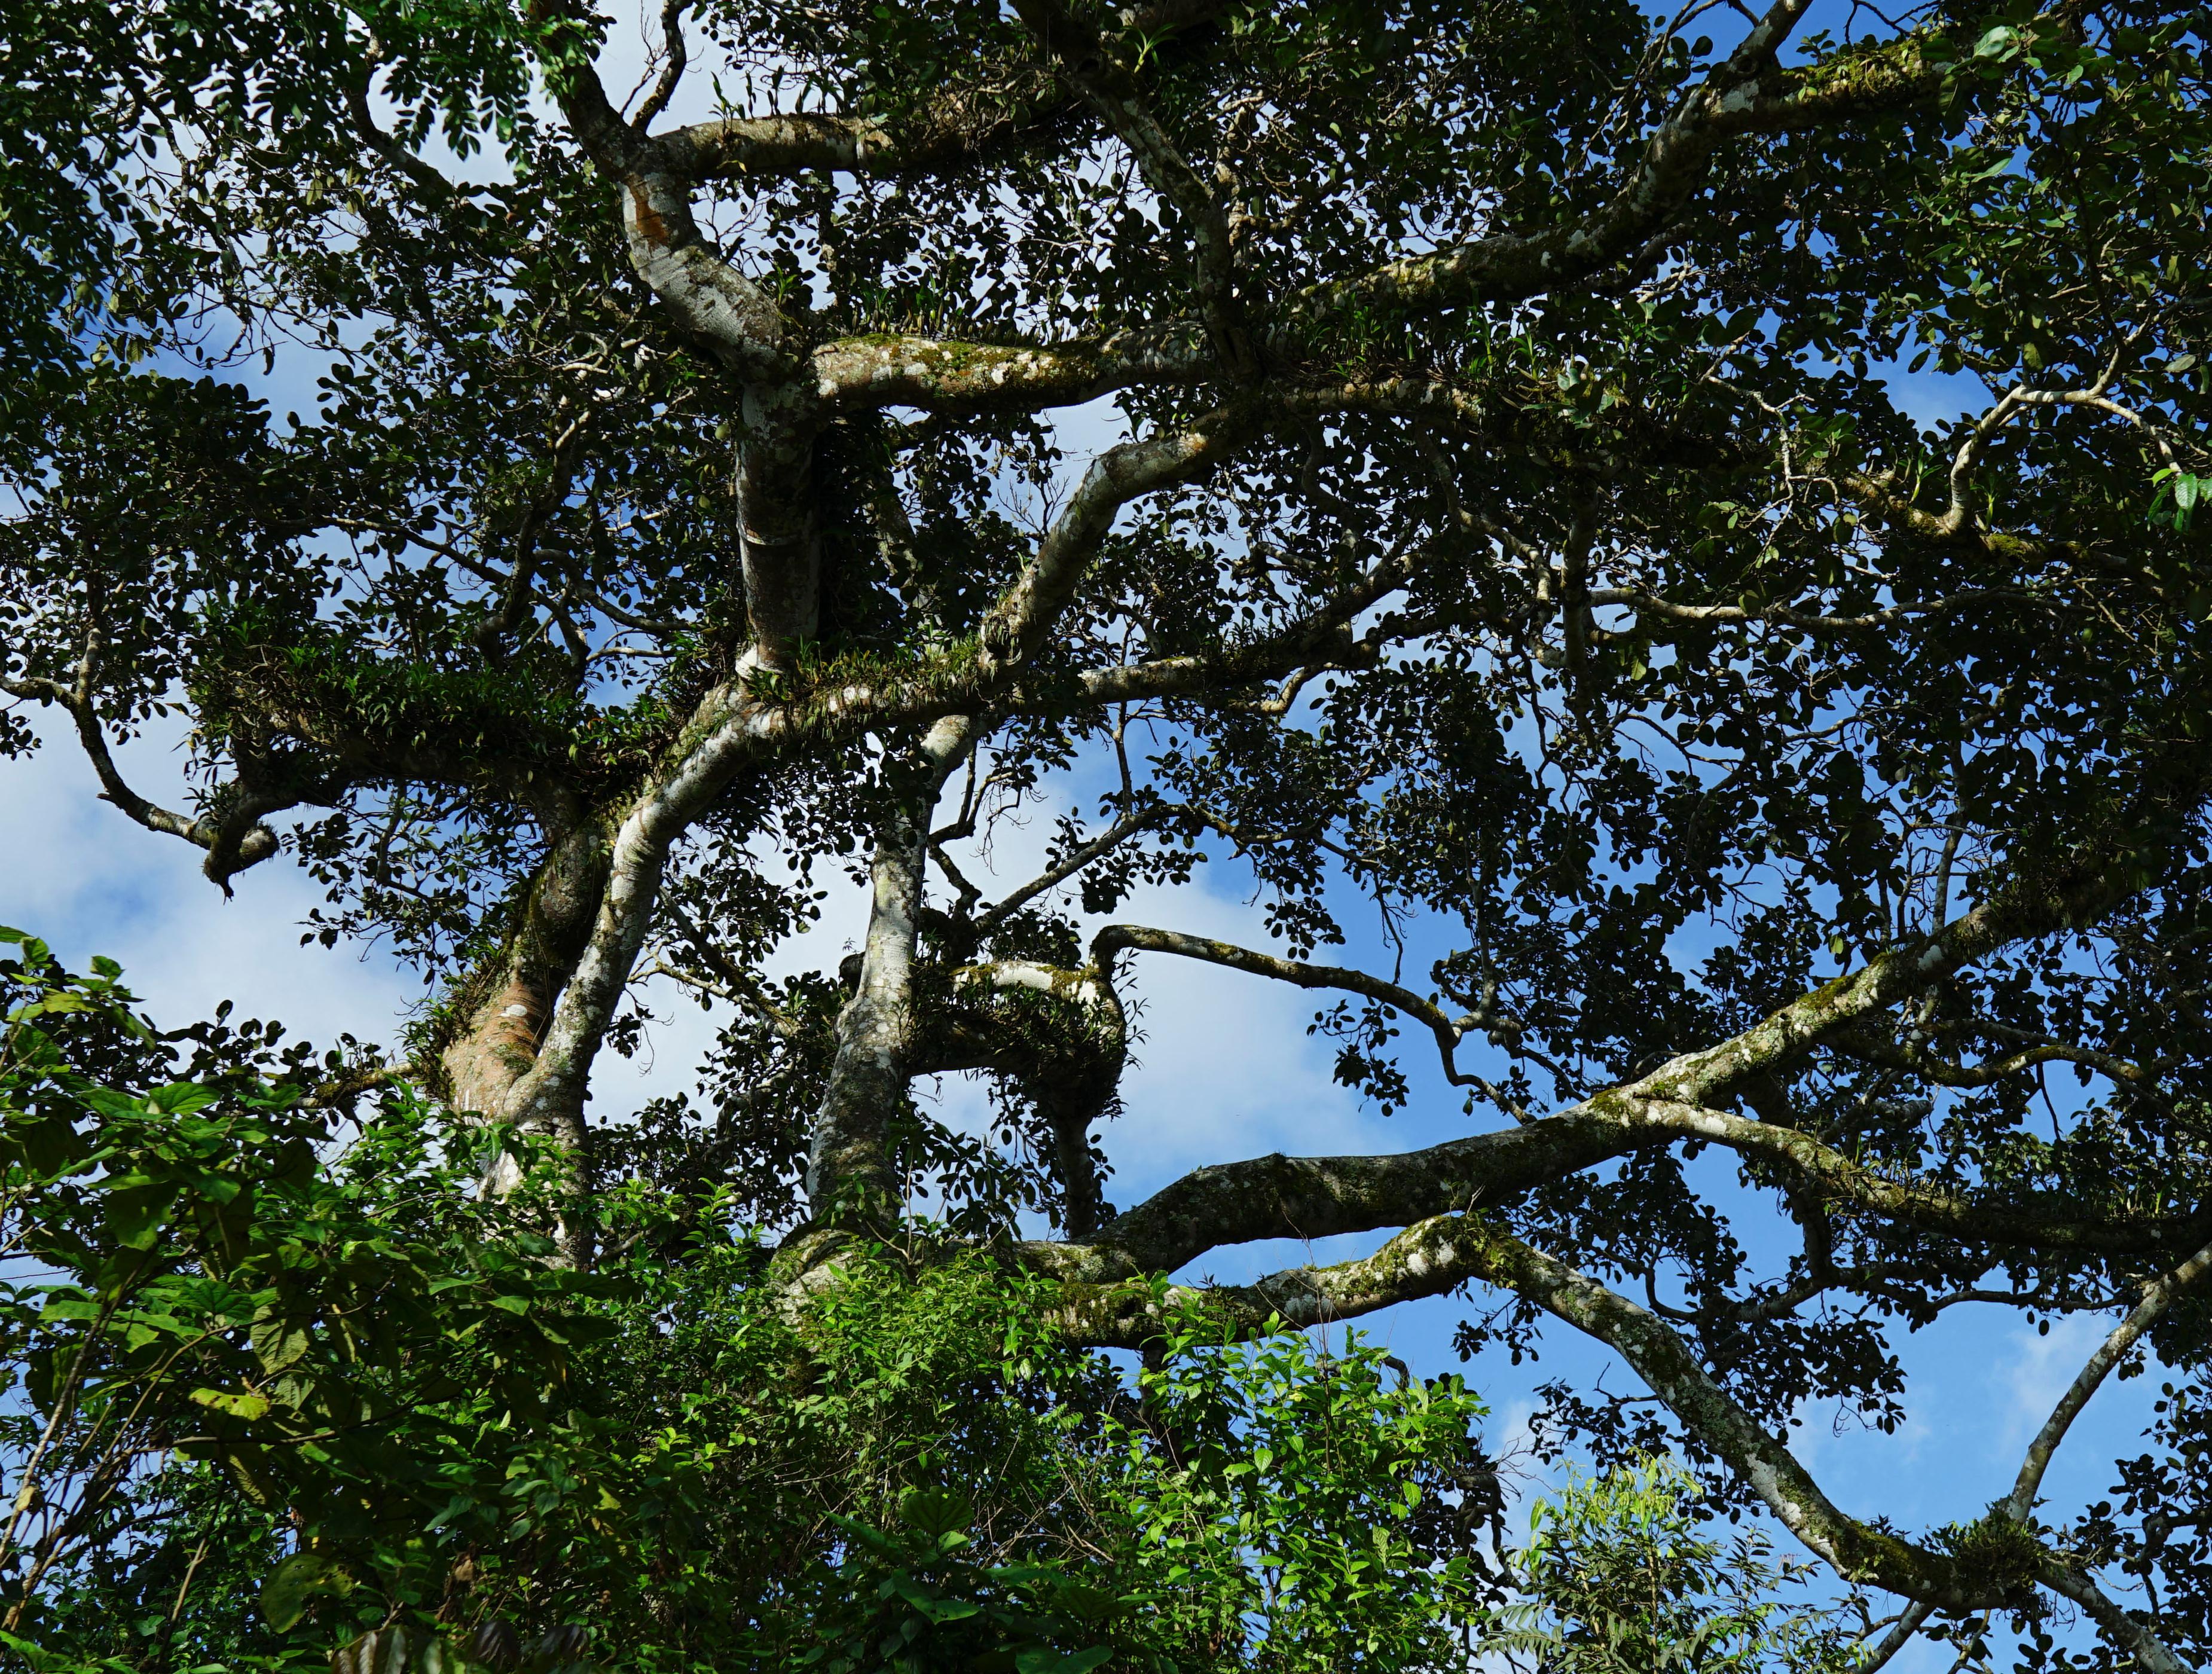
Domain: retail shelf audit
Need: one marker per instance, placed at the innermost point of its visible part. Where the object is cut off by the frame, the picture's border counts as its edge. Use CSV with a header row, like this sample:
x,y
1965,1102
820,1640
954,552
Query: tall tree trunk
x,y
849,1177
498,1044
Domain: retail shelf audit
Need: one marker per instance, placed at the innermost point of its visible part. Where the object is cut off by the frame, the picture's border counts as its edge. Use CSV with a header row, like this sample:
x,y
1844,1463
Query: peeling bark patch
x,y
647,219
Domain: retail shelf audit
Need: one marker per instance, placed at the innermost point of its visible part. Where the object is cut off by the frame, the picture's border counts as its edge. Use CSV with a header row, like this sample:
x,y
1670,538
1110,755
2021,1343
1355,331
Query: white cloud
x,y
73,870
2042,1368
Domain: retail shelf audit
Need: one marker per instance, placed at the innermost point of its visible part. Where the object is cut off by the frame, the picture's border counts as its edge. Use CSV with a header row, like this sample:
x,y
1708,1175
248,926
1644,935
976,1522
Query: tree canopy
x,y
1523,525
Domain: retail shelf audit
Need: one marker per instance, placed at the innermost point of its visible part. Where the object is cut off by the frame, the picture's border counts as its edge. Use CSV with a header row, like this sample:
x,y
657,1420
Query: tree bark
x,y
849,1177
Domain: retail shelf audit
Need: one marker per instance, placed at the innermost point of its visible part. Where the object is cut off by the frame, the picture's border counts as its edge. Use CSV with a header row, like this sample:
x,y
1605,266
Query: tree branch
x,y
1448,1030
1089,65
1438,1256
1315,1196
2157,1296
1731,99
229,851
709,298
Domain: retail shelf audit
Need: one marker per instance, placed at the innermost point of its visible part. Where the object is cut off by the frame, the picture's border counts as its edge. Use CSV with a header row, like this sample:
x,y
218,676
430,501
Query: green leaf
x,y
935,1512
237,1404
295,1583
278,1342
181,1098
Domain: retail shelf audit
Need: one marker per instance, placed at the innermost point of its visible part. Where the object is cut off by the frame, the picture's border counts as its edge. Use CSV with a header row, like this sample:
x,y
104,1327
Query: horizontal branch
x,y
972,121
1782,616
1871,1047
1277,1197
1964,1216
950,375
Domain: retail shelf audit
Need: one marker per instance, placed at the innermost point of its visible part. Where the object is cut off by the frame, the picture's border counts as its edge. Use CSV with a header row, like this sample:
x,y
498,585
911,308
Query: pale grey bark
x,y
2120,1625
849,1177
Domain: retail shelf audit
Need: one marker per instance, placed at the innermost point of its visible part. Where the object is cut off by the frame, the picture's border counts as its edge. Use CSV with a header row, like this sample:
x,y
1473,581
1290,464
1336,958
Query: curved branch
x,y
1874,1049
2157,1297
678,56
1017,626
1919,1203
1448,1030
232,845
708,296
1440,1255
1089,66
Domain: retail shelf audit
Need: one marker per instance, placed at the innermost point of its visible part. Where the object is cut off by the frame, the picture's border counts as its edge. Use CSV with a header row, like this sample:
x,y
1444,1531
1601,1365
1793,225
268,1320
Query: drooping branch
x,y
235,838
1448,1031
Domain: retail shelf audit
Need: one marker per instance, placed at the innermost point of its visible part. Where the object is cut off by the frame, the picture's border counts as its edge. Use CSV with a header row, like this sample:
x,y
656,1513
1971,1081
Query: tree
x,y
1515,527
1621,1579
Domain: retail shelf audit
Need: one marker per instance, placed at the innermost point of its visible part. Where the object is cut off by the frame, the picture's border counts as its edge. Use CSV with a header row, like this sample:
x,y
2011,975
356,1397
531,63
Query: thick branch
x,y
2120,1627
708,296
1278,1196
1018,625
849,1180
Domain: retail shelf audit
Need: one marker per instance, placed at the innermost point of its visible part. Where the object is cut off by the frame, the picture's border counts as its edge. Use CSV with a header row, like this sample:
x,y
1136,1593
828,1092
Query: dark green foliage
x,y
1622,1579
273,1394
1580,588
